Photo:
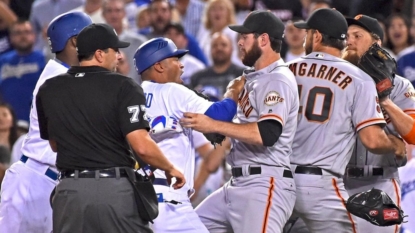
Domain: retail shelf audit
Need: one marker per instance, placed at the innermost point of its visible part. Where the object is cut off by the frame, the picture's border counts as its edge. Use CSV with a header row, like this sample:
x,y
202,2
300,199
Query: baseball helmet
x,y
155,50
65,26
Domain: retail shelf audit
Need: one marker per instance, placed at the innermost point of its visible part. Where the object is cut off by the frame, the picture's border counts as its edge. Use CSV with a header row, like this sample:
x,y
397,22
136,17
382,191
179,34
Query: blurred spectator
x,y
7,18
294,37
406,67
113,12
216,18
131,10
93,8
214,79
143,20
20,69
190,12
161,16
397,30
370,8
412,29
176,33
123,66
142,2
318,4
8,131
407,177
42,12
283,9
21,8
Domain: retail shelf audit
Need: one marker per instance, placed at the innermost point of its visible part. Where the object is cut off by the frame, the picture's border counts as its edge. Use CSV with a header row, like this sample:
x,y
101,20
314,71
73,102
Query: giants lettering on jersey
x,y
244,103
331,74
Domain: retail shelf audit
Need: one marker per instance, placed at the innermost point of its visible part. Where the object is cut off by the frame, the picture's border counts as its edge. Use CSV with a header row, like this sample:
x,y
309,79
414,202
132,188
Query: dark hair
x,y
154,1
329,41
13,130
179,28
276,44
388,23
88,56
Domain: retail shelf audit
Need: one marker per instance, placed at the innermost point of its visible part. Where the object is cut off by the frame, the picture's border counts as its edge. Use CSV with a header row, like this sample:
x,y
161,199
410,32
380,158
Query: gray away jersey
x,y
403,95
269,94
337,100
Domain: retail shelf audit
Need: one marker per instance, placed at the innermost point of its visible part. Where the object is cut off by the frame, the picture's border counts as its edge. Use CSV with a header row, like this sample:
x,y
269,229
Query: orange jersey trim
x,y
268,208
410,137
409,111
381,120
272,117
343,203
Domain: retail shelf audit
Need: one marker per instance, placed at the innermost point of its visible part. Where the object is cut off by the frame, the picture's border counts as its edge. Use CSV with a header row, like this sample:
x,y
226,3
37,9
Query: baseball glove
x,y
213,138
377,63
376,207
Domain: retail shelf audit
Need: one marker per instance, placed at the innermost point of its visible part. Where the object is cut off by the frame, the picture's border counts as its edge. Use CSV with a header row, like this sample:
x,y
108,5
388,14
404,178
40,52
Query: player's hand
x,y
180,180
237,84
198,122
399,145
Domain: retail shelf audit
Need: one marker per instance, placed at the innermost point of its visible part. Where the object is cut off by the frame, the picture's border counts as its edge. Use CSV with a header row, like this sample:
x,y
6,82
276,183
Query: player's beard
x,y
308,46
252,55
351,56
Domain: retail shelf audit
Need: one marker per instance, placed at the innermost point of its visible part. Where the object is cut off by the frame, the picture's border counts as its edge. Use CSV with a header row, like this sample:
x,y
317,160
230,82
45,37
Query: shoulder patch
x,y
273,98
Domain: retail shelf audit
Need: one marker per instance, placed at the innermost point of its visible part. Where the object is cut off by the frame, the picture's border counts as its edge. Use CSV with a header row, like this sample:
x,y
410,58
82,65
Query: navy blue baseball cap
x,y
327,21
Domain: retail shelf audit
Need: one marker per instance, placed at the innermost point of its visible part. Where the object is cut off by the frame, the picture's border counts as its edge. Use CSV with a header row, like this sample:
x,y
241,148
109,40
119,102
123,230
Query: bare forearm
x,y
233,94
6,14
202,176
402,122
248,132
155,157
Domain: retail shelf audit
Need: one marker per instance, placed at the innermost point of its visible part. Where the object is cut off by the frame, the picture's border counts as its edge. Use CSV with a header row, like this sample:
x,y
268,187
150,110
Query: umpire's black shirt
x,y
88,112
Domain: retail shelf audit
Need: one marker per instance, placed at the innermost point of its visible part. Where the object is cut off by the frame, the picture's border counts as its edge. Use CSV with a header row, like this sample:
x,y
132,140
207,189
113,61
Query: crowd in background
x,y
197,25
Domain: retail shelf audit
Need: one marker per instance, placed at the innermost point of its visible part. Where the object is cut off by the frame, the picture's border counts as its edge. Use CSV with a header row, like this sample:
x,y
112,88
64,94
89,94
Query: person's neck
x,y
216,29
4,138
399,49
69,59
221,68
297,51
181,6
92,6
266,59
119,30
24,53
329,50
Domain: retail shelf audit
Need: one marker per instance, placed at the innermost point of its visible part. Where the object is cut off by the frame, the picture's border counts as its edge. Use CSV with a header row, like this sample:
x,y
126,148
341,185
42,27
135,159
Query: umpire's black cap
x,y
98,36
261,22
368,23
327,21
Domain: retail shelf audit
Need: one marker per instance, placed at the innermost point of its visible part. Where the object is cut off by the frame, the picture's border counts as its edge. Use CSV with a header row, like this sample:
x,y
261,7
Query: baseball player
x,y
28,183
157,61
338,101
407,176
261,193
366,169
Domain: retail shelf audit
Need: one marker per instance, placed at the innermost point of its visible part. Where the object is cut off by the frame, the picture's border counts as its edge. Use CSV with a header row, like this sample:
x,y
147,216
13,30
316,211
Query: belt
x,y
160,181
237,171
102,173
49,172
309,170
360,172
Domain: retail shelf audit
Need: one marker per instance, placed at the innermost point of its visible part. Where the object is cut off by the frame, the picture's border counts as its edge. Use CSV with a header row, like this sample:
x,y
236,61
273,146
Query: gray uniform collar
x,y
252,74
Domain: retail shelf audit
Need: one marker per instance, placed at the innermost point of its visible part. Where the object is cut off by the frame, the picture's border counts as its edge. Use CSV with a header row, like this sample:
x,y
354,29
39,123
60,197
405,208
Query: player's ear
x,y
158,66
72,40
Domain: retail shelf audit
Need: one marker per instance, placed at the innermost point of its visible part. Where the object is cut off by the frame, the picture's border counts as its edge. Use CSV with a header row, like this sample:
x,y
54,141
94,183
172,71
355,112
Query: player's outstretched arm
x,y
234,88
376,141
403,123
151,154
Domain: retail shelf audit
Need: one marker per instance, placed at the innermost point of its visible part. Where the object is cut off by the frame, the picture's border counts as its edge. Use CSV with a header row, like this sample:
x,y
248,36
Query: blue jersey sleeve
x,y
223,110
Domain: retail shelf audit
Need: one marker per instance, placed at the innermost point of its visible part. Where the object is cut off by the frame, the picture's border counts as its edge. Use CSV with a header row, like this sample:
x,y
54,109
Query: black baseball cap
x,y
261,22
98,36
368,23
327,21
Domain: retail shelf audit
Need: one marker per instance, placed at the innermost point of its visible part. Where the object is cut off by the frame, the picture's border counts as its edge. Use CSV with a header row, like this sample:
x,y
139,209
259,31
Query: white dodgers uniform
x,y
28,183
367,170
407,175
176,213
261,193
337,100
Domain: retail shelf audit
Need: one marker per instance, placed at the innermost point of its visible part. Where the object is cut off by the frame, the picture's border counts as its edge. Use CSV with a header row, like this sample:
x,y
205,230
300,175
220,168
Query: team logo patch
x,y
390,214
80,75
319,55
273,98
357,17
410,93
373,212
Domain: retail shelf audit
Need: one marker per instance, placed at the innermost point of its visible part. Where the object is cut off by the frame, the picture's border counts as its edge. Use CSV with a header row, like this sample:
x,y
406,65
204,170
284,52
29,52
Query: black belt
x,y
237,171
360,172
49,172
309,170
103,173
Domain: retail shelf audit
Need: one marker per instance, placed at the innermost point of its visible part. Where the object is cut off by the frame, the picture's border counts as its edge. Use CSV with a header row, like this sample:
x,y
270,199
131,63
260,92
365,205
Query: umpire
x,y
91,116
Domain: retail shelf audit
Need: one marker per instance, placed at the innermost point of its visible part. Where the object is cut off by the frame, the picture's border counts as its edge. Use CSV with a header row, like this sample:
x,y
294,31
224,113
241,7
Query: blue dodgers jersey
x,y
19,75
